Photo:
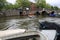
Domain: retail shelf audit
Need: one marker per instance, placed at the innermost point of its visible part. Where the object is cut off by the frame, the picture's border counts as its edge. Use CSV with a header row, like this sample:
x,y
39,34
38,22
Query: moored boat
x,y
22,34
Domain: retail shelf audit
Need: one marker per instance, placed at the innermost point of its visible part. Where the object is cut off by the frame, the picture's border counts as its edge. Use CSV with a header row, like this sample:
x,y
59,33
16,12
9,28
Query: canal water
x,y
19,22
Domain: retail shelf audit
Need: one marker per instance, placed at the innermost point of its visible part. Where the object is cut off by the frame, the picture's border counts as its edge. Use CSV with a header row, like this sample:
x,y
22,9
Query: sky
x,y
11,1
54,2
32,1
51,2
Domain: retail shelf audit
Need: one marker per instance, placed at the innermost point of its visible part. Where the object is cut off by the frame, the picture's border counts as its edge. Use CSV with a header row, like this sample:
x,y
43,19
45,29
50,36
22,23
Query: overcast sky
x,y
54,2
51,2
11,1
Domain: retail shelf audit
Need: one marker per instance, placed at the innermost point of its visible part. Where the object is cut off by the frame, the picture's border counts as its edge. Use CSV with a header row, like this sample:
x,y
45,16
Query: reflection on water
x,y
16,22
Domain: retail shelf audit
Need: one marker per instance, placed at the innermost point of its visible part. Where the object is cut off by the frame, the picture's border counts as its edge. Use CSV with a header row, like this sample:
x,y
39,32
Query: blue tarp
x,y
52,15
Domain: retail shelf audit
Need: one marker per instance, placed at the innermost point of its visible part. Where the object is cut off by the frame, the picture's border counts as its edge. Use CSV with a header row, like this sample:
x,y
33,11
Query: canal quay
x,y
19,22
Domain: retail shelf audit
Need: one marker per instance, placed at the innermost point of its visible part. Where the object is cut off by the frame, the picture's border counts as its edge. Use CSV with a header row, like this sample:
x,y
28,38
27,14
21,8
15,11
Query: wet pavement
x,y
17,22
